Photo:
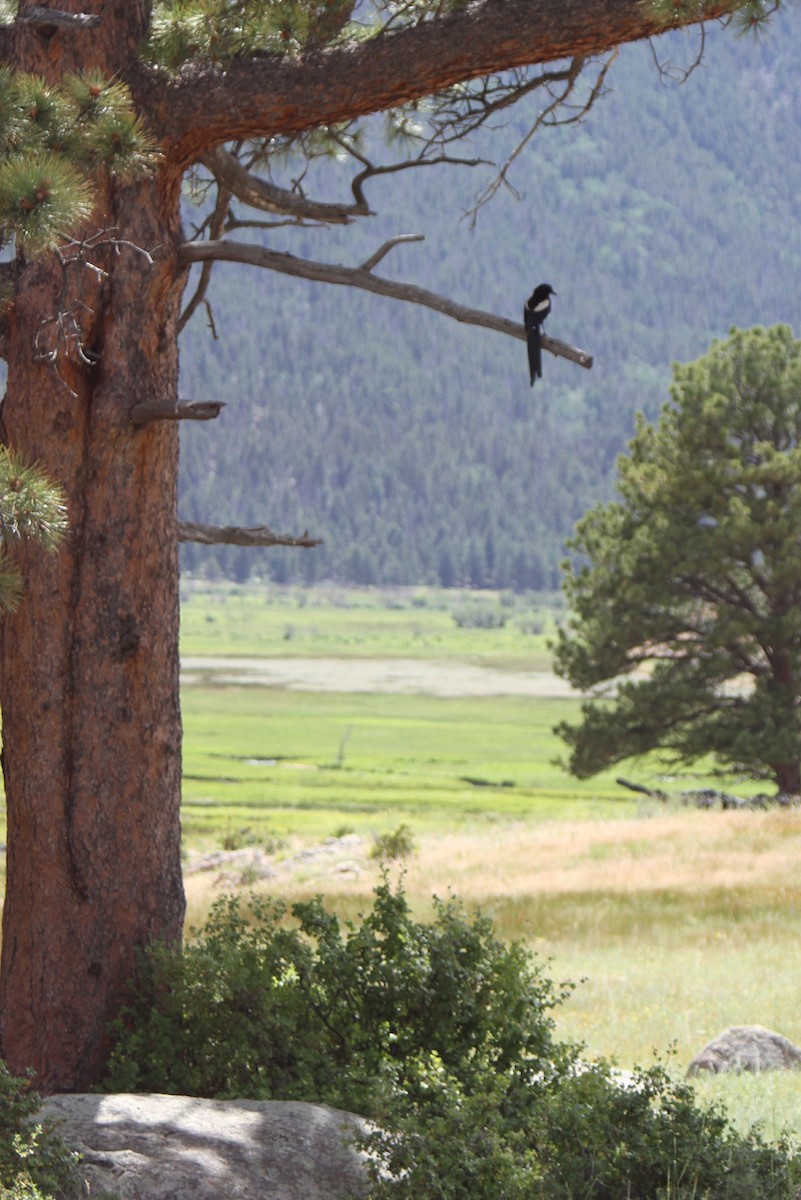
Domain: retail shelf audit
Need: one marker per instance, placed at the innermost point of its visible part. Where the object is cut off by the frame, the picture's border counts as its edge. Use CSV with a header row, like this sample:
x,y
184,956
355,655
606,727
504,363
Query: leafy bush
x,y
444,1036
531,626
567,1133
256,1007
479,616
388,847
34,1162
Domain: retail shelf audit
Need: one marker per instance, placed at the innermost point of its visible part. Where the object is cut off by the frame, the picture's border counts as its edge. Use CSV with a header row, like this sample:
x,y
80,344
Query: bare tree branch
x,y
237,535
268,197
215,226
49,19
184,410
233,172
668,73
460,111
559,100
423,159
360,277
400,240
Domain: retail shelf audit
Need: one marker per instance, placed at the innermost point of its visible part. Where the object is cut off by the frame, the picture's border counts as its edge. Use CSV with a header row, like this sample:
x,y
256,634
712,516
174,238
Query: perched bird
x,y
536,310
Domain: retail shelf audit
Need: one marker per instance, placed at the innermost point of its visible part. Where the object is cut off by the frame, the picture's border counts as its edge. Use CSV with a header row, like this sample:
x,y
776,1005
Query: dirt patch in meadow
x,y
409,676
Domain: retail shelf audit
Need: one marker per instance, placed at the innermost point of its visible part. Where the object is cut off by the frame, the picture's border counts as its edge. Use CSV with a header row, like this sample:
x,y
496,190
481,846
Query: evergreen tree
x,y
687,592
89,663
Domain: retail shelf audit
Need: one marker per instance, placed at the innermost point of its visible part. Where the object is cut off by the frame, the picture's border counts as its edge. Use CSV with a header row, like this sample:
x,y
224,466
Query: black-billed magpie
x,y
536,310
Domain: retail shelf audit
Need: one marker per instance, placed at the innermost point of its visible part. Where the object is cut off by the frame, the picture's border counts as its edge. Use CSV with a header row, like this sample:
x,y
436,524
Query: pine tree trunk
x,y
89,662
788,778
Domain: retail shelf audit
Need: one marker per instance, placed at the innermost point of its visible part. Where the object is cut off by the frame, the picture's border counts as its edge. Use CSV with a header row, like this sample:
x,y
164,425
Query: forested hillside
x,y
415,446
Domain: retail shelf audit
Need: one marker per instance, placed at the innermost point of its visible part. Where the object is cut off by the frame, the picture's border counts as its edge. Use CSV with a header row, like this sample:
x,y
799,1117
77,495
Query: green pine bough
x,y
55,143
30,507
747,16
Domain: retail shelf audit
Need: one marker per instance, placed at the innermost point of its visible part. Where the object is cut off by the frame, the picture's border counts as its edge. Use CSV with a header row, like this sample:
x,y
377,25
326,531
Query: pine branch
x,y
363,277
237,535
268,197
48,20
267,95
183,410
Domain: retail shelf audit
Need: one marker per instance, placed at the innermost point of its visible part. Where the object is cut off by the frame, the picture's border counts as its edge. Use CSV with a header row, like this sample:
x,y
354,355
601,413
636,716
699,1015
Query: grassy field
x,y
674,923
303,762
352,623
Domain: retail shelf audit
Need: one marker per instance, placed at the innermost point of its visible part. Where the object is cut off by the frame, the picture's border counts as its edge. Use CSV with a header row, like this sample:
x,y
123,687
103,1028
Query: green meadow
x,y
672,922
309,763
347,622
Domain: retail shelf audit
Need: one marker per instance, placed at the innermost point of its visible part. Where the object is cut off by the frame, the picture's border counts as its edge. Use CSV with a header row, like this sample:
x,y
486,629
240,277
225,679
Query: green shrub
x,y
444,1036
34,1162
565,1134
479,616
388,847
256,1007
237,839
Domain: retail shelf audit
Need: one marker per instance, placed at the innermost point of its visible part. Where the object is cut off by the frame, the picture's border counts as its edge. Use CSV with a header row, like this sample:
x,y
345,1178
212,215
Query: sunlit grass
x,y
673,923
271,621
304,762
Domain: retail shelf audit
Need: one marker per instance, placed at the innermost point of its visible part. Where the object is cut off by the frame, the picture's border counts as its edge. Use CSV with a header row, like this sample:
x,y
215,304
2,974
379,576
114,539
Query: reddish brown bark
x,y
788,778
89,673
89,663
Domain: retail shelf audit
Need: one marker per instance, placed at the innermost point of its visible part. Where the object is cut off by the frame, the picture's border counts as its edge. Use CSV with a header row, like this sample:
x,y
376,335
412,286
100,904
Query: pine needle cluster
x,y
216,30
748,16
31,507
54,141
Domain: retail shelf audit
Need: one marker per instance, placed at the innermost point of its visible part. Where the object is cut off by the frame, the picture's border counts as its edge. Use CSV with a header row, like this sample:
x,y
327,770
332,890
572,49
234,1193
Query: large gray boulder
x,y
746,1048
152,1147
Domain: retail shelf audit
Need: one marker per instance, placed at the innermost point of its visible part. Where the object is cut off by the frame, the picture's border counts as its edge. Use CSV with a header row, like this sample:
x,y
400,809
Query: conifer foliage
x,y
687,590
30,506
53,141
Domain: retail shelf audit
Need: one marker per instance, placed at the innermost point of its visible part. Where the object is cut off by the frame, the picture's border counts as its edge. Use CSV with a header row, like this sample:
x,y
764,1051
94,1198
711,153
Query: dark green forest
x,y
414,446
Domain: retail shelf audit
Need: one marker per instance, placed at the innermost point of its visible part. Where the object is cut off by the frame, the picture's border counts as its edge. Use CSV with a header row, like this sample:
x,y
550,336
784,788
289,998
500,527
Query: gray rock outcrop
x,y
152,1147
746,1048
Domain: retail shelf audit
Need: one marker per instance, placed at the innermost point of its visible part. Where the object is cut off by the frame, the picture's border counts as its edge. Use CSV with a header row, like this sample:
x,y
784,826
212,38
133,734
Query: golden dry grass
x,y
696,857
686,852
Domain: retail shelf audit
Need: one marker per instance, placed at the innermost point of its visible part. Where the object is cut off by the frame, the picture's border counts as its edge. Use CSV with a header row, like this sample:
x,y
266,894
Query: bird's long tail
x,y
534,353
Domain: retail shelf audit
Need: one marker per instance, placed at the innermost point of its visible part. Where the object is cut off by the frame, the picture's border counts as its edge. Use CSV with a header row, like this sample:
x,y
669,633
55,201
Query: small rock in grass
x,y
746,1048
